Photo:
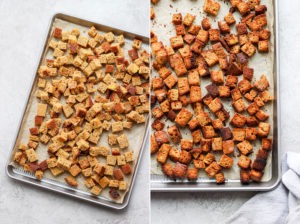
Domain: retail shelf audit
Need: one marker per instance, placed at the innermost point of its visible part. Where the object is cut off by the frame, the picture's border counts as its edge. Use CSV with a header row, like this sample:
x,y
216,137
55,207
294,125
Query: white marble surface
x,y
23,25
215,207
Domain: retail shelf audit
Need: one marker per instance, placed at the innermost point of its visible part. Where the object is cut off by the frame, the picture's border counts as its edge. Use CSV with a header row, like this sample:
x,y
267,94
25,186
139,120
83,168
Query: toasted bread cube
x,y
183,117
225,161
263,46
123,141
217,124
174,154
188,19
162,154
117,126
262,84
89,183
109,170
212,169
202,36
217,77
238,120
41,110
177,18
256,175
179,170
245,147
170,81
174,133
263,129
265,96
31,155
249,49
261,115
226,133
185,157
186,144
193,124
238,134
203,118
244,86
215,105
161,137
195,94
199,164
67,110
173,94
157,83
183,86
217,144
208,132
210,57
253,37
206,144
231,39
259,164
196,136
82,41
214,35
252,108
222,114
228,147
96,190
122,185
209,158
239,105
176,42
245,176
111,160
231,81
220,179
71,181
129,156
180,29
261,153
229,18
206,25
266,144
243,7
55,171
193,78
211,7
192,174
244,162
167,169
223,26
75,170
264,34
104,181
63,163
224,91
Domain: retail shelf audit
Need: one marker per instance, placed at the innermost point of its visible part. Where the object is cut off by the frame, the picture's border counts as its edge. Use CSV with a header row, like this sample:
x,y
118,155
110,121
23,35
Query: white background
x,y
210,208
23,26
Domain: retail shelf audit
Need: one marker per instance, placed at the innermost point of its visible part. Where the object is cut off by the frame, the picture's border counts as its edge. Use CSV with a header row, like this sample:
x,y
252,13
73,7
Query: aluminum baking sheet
x,y
136,135
262,63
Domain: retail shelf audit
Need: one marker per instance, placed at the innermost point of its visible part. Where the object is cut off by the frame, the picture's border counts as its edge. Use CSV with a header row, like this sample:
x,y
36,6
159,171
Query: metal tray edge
x,y
9,168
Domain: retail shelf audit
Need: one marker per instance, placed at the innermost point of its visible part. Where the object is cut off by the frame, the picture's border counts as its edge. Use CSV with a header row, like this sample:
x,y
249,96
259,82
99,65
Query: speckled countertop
x,y
23,26
210,208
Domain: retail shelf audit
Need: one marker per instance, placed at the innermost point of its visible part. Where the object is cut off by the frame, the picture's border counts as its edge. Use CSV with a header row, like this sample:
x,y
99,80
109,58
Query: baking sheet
x,y
261,63
136,135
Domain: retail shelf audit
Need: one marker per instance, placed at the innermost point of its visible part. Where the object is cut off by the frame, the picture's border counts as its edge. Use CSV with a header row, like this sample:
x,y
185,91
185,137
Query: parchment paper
x,y
135,135
261,63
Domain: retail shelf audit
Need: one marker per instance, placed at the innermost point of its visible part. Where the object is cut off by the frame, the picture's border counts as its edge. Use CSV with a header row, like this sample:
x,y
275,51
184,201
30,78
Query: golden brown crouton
x,y
192,174
211,7
183,117
212,169
220,179
228,147
179,170
167,169
245,147
162,154
244,162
